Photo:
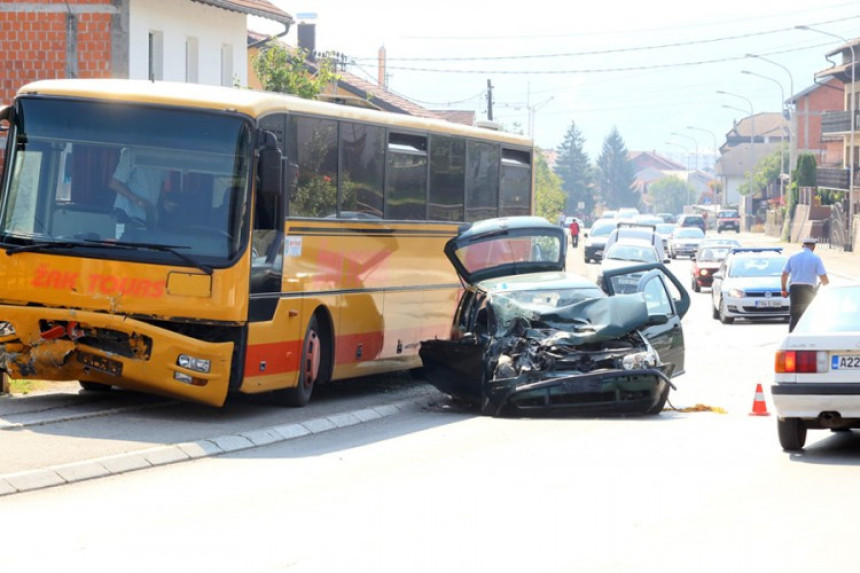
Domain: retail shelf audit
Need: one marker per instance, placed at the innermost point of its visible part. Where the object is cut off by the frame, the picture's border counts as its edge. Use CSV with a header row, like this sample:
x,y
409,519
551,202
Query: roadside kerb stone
x,y
174,453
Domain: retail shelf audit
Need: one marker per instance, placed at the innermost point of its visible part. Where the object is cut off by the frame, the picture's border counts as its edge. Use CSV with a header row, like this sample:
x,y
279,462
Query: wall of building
x,y
54,39
810,108
212,27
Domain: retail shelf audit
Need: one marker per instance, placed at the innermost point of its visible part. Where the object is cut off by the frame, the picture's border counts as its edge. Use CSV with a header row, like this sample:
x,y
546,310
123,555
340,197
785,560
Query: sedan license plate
x,y
768,303
843,362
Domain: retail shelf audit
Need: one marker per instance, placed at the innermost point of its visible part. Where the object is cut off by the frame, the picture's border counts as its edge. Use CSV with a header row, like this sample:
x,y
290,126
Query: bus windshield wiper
x,y
43,246
174,249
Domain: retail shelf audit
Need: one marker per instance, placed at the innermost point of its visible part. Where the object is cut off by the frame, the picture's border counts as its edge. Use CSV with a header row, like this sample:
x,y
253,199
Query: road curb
x,y
53,476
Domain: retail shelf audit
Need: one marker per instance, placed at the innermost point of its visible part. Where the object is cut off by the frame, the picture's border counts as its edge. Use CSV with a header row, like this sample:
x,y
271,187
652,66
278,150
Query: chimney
x,y
307,38
381,78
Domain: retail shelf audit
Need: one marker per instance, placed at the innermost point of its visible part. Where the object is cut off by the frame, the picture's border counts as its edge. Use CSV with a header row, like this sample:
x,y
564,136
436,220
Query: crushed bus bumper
x,y
66,344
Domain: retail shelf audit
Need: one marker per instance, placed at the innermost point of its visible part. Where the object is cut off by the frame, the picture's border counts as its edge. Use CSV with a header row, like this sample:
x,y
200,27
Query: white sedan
x,y
817,368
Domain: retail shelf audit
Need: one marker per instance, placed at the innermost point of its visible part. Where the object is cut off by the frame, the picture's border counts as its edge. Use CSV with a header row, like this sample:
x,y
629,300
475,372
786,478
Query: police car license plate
x,y
845,362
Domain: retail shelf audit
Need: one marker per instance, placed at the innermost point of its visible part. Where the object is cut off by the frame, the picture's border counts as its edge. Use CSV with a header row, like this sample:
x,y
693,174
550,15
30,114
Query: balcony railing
x,y
838,122
832,177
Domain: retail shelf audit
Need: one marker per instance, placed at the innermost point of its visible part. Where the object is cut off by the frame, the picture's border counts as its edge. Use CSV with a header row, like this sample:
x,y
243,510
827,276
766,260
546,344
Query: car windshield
x,y
624,252
757,267
137,175
602,230
713,254
689,233
832,310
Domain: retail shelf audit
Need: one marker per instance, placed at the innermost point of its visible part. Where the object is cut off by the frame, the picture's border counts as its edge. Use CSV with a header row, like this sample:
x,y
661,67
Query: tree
x,y
670,194
282,70
615,173
576,172
549,197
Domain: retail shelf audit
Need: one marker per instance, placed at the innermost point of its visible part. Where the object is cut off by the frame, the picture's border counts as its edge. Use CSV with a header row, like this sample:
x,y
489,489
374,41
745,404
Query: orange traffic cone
x,y
759,406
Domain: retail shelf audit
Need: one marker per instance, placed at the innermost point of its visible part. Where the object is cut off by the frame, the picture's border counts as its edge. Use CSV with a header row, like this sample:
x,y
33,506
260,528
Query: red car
x,y
706,262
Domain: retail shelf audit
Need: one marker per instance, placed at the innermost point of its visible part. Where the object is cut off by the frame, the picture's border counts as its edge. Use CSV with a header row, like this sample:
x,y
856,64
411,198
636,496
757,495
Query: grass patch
x,y
28,386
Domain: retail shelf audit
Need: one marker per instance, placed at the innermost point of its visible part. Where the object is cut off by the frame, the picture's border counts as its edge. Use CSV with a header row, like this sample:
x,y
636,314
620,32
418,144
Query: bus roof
x,y
249,102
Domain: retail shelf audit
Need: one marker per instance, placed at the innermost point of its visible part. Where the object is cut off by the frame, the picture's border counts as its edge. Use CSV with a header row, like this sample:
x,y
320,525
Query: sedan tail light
x,y
800,361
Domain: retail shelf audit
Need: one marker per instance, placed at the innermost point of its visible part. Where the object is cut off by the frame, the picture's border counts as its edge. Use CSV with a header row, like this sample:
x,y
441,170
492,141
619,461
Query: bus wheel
x,y
94,386
309,369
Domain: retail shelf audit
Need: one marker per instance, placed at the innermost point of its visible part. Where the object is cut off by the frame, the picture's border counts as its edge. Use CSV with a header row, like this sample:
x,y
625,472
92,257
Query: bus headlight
x,y
640,360
192,363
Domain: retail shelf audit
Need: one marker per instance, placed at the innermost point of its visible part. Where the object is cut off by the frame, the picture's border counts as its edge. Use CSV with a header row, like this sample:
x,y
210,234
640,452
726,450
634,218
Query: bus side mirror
x,y
270,165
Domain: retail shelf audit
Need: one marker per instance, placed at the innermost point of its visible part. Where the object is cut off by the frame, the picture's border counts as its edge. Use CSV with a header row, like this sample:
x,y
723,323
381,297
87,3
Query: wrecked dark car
x,y
529,338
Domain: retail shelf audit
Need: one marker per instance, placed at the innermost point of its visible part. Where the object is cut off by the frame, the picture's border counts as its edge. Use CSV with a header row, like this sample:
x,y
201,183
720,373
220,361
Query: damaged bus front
x,y
123,241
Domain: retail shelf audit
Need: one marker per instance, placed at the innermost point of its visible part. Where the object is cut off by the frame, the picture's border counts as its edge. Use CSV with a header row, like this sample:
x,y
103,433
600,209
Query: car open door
x,y
656,283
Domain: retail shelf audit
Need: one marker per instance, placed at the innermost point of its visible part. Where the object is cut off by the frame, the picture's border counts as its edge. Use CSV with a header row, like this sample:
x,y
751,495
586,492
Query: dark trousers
x,y
574,240
799,298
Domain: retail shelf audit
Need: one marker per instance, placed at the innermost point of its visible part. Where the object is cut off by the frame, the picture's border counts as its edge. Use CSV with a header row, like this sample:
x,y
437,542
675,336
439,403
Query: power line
x,y
603,70
610,50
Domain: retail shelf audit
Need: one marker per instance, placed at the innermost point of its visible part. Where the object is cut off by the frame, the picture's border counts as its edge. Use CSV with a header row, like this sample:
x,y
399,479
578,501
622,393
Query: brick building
x,y
195,41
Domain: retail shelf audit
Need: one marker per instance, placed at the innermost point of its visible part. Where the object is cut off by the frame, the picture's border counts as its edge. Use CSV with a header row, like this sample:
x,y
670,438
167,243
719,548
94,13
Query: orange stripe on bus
x,y
280,357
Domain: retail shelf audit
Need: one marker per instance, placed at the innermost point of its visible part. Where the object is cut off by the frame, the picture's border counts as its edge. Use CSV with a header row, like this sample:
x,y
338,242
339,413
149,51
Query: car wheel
x,y
714,312
313,368
724,317
792,434
94,386
661,403
696,287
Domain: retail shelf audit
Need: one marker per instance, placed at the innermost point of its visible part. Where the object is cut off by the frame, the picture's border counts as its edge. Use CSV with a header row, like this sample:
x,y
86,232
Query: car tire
x,y
696,287
724,318
792,434
715,314
661,403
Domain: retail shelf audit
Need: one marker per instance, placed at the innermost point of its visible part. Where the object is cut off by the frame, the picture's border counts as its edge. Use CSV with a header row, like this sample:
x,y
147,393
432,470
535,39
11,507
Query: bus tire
x,y
313,368
94,386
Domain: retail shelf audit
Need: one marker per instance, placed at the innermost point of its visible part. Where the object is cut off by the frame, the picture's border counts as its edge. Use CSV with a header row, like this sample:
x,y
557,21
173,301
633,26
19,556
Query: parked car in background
x,y
747,285
634,231
626,253
707,262
688,220
595,239
720,241
728,220
667,217
528,337
665,231
685,241
817,368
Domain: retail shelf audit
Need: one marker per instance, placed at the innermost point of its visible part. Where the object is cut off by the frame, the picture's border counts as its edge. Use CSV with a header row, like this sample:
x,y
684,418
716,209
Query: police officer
x,y
802,272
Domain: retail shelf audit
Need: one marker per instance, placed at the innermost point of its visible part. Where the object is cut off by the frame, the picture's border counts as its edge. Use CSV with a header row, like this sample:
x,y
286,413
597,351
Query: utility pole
x,y
490,100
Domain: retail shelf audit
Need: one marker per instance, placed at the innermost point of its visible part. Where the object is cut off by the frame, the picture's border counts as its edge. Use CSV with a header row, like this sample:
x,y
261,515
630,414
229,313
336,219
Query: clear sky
x,y
647,68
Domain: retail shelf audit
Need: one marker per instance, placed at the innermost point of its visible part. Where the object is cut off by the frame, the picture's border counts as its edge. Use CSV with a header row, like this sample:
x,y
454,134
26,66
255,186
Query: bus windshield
x,y
92,175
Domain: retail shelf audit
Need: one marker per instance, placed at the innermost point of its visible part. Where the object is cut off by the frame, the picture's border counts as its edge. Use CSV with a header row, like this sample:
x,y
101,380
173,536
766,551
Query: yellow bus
x,y
196,241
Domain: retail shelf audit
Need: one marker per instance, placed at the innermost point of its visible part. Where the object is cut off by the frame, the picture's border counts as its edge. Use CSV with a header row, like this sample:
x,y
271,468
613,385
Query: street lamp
x,y
792,115
752,139
782,102
695,142
687,149
714,137
851,107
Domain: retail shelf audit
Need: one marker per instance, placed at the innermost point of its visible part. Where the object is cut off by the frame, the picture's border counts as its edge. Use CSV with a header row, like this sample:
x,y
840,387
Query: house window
x,y
227,65
191,60
156,55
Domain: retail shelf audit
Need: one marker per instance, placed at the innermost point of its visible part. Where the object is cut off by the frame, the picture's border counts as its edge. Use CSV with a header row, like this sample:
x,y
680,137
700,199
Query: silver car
x,y
747,285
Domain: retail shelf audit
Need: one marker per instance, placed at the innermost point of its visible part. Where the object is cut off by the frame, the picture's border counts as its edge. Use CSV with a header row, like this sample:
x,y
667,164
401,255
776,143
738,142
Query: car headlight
x,y
703,272
639,360
736,293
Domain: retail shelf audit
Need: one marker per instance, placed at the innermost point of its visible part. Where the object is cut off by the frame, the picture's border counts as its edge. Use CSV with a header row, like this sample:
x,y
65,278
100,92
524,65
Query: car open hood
x,y
506,246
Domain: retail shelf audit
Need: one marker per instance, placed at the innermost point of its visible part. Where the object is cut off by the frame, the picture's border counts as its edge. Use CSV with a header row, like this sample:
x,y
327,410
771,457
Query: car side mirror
x,y
655,319
717,275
